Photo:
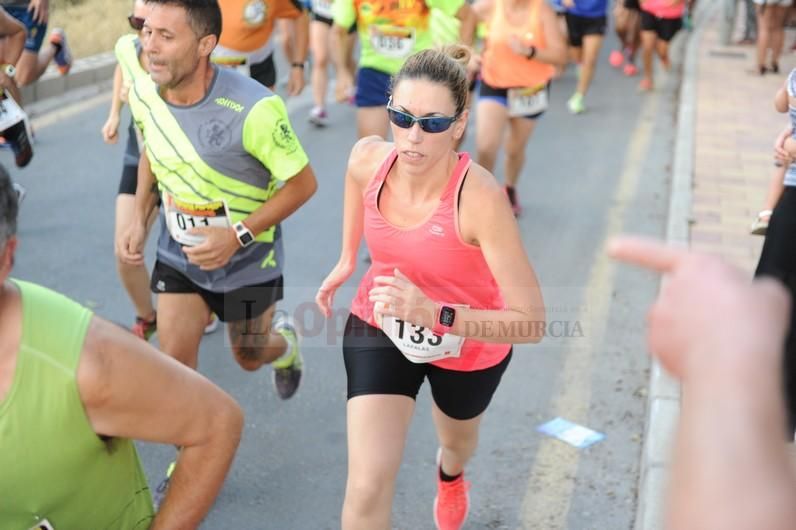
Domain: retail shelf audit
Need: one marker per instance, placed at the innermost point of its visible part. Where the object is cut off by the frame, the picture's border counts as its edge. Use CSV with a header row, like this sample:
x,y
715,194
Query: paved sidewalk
x,y
736,125
722,166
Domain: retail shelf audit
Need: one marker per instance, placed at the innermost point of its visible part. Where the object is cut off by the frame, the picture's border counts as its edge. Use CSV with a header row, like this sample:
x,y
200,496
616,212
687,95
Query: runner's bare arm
x,y
40,10
781,99
301,45
146,191
555,52
363,163
8,83
131,390
486,220
483,9
469,21
13,38
110,129
296,79
296,191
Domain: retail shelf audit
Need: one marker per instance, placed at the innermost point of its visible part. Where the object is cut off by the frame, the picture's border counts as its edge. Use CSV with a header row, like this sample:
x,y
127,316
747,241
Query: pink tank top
x,y
432,255
664,8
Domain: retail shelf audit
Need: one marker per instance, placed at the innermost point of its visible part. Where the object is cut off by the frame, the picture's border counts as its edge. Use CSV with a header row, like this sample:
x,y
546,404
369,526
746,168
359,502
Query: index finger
x,y
645,252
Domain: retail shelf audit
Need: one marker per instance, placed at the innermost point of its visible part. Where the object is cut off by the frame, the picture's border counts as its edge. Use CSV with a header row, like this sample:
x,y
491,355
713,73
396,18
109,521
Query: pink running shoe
x,y
452,503
63,55
630,70
616,58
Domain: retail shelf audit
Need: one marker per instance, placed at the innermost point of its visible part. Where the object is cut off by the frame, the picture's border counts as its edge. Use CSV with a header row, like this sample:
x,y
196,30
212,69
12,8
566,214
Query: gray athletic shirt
x,y
216,132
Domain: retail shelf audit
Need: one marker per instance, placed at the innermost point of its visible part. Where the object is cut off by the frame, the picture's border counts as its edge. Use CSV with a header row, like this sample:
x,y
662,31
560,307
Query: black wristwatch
x,y
531,53
297,65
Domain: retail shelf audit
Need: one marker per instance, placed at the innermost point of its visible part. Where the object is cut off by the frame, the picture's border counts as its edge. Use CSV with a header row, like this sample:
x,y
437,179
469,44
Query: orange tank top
x,y
248,24
501,67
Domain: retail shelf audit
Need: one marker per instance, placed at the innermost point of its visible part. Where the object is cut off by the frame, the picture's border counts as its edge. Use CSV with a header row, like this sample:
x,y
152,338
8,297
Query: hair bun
x,y
458,52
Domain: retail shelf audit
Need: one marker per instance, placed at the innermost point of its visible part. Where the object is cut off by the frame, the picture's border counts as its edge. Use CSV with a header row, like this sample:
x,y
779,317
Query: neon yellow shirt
x,y
53,466
391,30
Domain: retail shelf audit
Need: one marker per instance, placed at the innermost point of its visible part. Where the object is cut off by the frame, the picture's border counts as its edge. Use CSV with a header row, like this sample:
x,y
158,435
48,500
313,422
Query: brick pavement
x,y
736,124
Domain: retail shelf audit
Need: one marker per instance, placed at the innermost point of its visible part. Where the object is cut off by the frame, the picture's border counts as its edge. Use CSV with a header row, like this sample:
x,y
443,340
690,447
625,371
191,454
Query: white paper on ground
x,y
571,433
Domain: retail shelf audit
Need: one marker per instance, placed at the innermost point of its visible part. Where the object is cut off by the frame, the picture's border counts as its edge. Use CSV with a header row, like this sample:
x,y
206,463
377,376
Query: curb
x,y
87,72
92,76
663,406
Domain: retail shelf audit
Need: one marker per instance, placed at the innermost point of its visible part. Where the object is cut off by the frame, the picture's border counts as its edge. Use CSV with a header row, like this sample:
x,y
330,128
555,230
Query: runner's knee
x,y
365,494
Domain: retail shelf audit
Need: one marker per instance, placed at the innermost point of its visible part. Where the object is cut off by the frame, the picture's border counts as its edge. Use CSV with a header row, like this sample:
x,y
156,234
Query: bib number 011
x,y
183,216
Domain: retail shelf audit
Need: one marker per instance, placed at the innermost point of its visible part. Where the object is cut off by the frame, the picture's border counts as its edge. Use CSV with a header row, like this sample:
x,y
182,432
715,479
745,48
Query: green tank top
x,y
52,464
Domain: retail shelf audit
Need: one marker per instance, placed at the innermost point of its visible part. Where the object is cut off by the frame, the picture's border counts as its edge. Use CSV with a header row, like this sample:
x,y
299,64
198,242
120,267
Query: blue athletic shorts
x,y
500,95
373,88
34,33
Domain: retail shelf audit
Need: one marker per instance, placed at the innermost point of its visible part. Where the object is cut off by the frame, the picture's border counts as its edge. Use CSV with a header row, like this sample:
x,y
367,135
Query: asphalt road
x,y
587,177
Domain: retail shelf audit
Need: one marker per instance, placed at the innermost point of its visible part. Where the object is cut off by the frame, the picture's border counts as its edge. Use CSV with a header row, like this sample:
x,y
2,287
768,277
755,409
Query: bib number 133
x,y
419,344
416,334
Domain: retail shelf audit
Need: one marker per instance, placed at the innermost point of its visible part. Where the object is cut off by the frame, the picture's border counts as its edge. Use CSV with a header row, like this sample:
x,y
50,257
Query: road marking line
x,y
548,493
52,117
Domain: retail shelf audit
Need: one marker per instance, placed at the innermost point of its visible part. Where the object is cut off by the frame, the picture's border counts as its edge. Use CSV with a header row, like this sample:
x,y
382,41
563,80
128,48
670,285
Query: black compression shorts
x,y
375,366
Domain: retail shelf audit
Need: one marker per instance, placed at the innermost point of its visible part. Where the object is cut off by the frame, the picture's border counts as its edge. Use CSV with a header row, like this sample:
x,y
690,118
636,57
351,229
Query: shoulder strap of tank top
x,y
459,171
381,174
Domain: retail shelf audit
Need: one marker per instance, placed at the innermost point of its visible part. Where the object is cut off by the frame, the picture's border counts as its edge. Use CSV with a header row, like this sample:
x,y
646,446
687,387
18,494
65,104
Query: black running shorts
x,y
245,303
264,72
578,27
375,366
329,22
129,180
665,28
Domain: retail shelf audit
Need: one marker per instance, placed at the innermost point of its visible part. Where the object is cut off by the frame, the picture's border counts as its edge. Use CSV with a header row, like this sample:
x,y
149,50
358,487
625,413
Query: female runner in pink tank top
x,y
450,289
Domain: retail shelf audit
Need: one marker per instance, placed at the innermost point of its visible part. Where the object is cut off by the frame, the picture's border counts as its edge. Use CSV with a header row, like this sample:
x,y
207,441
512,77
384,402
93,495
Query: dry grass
x,y
92,26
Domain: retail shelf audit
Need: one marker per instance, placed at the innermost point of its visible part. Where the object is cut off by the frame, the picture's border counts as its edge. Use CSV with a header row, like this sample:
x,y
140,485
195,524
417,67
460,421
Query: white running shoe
x,y
212,325
318,117
20,192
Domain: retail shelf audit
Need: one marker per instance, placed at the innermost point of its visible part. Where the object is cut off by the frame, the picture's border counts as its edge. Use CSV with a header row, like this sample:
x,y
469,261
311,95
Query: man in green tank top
x,y
223,158
74,391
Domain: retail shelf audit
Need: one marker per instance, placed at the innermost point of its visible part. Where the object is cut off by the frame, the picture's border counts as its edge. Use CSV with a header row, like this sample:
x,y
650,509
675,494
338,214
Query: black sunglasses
x,y
137,23
429,124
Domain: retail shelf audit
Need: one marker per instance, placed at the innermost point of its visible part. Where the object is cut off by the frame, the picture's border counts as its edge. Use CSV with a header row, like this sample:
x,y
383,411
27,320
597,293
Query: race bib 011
x,y
420,344
392,41
527,101
182,216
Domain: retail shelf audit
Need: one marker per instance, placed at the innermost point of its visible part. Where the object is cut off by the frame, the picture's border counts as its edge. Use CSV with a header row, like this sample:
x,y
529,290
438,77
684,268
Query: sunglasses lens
x,y
137,23
400,119
435,125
